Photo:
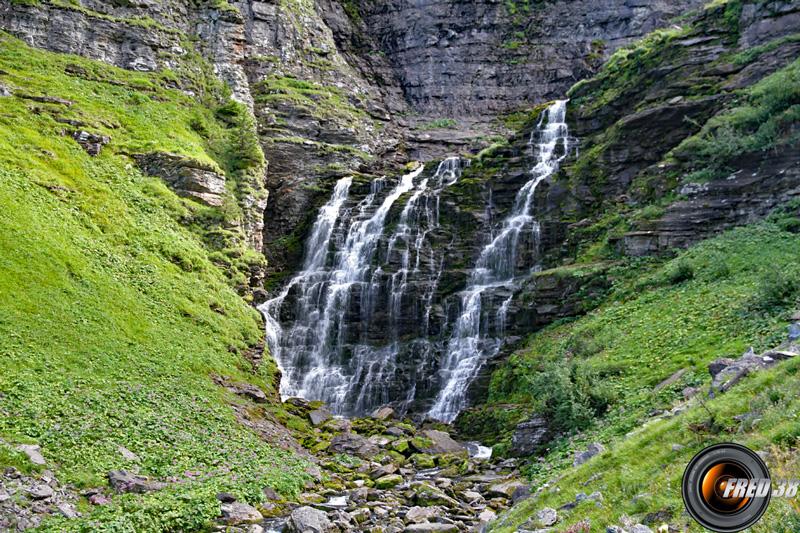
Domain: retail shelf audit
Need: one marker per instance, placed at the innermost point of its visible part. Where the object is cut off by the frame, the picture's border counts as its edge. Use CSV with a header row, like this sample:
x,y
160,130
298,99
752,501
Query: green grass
x,y
113,315
642,473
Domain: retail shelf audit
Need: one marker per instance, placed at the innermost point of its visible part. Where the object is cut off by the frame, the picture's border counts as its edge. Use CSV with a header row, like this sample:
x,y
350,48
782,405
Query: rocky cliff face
x,y
466,58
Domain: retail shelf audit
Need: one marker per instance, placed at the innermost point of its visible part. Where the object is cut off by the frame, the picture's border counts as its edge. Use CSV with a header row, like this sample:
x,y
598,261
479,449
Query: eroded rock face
x,y
465,57
187,177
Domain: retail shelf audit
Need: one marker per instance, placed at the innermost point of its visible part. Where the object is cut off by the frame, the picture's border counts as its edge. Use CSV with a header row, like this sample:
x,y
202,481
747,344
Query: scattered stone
x,y
794,329
547,516
614,529
40,492
236,513
677,447
124,481
383,413
319,416
640,528
127,454
690,392
68,510
309,520
673,379
506,489
271,494
4,496
593,449
4,91
521,493
34,453
99,499
226,497
417,514
432,527
91,142
486,516
422,460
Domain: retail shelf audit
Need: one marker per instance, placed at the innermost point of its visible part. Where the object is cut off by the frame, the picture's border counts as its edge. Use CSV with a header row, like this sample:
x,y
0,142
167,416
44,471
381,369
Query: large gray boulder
x,y
234,513
309,520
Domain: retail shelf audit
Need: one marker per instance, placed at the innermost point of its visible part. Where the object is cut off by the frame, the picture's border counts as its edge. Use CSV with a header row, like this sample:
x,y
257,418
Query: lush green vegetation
x,y
113,316
595,378
764,118
642,473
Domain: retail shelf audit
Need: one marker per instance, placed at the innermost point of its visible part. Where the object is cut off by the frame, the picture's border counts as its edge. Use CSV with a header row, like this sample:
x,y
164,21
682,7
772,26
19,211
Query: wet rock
x,y
528,436
124,481
487,515
383,413
592,450
226,497
309,520
34,453
236,513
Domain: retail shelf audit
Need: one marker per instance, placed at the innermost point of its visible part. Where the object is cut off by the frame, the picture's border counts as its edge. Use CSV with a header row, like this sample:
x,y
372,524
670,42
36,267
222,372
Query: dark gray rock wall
x,y
484,57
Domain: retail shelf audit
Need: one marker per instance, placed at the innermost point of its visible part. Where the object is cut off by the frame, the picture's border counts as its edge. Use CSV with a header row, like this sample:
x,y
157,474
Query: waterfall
x,y
358,277
471,344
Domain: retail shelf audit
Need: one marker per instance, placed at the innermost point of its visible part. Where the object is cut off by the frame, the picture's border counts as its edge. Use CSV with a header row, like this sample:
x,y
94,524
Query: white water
x,y
317,326
471,344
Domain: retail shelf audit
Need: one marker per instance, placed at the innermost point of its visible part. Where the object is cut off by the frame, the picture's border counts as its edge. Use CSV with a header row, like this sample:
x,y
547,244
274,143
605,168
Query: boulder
x,y
187,177
592,450
387,482
383,413
40,492
547,516
422,460
309,520
319,416
417,514
442,443
34,453
506,489
124,481
235,513
353,444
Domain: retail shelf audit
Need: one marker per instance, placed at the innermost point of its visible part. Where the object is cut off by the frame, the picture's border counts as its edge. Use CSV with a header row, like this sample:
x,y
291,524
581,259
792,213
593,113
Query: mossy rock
x,y
401,446
321,446
420,444
450,459
387,482
423,460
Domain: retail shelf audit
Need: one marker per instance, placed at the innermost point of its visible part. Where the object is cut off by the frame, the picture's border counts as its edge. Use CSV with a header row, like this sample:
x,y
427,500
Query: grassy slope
x,y
112,315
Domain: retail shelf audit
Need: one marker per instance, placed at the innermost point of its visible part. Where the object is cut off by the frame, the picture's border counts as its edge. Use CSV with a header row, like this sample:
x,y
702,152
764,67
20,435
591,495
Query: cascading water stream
x,y
344,291
470,343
